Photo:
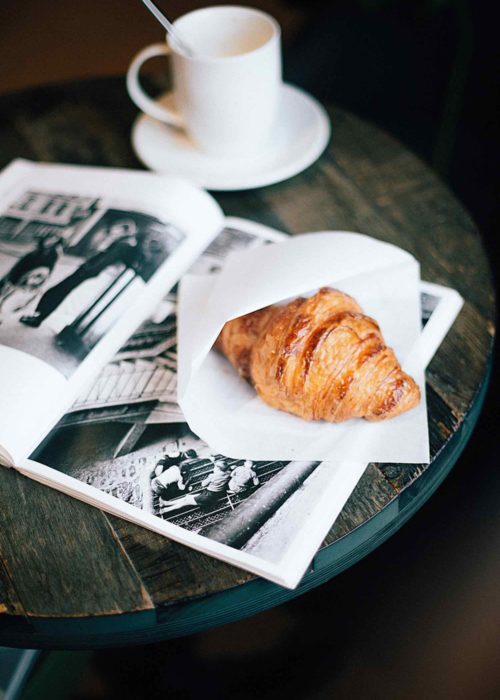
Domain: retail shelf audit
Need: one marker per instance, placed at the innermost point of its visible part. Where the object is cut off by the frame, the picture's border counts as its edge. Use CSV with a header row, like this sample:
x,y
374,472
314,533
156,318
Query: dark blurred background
x,y
420,617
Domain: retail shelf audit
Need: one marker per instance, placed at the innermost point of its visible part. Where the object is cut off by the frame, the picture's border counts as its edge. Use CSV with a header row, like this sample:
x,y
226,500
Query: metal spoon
x,y
168,26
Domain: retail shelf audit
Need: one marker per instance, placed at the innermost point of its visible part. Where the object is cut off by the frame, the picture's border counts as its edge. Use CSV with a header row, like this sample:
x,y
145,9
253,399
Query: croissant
x,y
319,358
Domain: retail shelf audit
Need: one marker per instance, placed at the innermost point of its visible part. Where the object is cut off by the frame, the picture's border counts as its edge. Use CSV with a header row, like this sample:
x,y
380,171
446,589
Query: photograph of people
x,y
23,284
69,268
168,472
127,247
243,478
171,475
43,257
214,486
16,298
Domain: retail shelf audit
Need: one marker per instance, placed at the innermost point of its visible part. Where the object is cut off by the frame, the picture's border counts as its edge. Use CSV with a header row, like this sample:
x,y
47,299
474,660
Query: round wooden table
x,y
72,576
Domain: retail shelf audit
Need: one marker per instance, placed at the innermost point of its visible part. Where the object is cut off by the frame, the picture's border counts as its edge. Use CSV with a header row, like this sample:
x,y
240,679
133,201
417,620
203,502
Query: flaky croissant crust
x,y
319,358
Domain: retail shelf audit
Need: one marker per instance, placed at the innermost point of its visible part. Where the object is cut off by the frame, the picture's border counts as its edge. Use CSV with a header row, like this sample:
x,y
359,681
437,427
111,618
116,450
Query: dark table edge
x,y
257,595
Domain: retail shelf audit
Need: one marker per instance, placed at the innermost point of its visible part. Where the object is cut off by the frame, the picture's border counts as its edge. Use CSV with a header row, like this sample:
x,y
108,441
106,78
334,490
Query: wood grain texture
x,y
9,600
373,491
62,558
442,426
173,573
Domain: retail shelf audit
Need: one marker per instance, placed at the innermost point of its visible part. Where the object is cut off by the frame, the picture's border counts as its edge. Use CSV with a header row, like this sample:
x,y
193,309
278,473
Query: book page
x,y
126,448
85,254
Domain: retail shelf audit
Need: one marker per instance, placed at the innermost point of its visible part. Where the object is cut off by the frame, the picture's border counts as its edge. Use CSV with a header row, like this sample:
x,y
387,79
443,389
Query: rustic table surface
x,y
72,576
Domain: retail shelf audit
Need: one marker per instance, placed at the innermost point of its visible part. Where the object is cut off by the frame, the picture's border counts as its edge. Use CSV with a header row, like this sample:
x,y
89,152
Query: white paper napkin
x,y
225,411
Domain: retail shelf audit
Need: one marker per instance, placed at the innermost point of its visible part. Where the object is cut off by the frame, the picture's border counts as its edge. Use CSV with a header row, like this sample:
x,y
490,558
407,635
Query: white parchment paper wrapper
x,y
225,411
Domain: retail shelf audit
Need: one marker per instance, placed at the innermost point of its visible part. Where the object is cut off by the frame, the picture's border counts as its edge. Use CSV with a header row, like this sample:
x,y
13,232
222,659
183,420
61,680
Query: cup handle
x,y
137,94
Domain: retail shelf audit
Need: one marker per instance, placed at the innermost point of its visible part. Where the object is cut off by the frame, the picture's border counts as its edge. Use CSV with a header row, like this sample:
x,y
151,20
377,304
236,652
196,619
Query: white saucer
x,y
300,136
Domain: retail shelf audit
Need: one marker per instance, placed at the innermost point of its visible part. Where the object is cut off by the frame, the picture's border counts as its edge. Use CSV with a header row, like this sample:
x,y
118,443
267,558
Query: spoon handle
x,y
167,25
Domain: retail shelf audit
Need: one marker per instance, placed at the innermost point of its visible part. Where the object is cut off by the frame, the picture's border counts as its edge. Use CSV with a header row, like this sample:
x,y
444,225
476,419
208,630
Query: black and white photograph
x,y
140,384
231,240
169,472
428,303
69,267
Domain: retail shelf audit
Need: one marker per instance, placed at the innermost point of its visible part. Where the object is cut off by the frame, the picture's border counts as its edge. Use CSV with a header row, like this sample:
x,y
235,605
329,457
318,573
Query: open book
x,y
89,260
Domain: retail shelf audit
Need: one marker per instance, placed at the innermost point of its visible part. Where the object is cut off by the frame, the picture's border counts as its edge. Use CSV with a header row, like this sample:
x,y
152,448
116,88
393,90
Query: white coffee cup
x,y
227,93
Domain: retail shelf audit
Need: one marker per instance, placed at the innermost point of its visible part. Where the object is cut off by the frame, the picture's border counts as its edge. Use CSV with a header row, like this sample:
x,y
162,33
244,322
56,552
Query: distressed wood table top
x,y
71,575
